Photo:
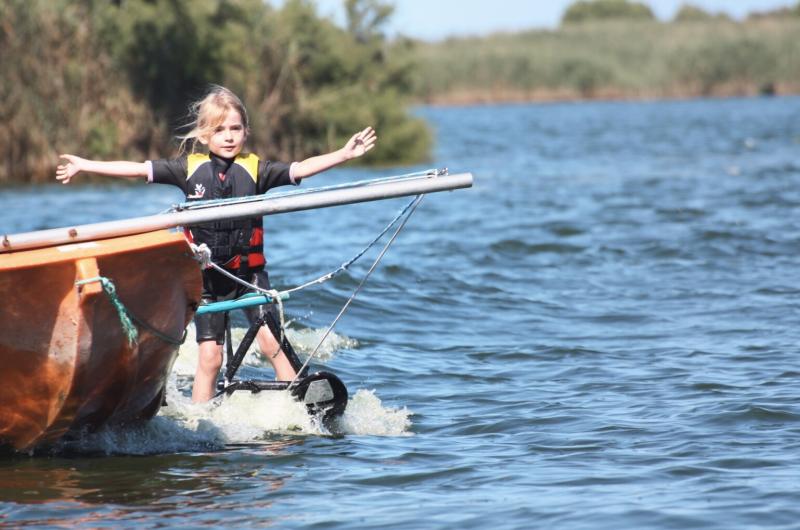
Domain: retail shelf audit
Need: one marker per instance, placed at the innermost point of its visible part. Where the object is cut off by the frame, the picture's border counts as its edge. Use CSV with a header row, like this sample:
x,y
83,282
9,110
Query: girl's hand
x,y
360,143
64,172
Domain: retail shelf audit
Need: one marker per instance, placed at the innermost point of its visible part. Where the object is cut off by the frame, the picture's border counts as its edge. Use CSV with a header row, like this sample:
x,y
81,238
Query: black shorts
x,y
219,288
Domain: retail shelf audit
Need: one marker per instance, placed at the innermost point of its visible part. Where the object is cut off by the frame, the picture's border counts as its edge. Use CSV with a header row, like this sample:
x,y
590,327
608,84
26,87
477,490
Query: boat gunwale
x,y
71,252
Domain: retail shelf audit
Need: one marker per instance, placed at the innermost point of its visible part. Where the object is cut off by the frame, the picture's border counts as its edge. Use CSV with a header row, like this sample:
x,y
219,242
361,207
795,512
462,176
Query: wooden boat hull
x,y
66,361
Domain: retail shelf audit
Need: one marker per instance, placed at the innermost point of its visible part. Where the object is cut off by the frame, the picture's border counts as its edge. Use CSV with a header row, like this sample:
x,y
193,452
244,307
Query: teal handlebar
x,y
248,300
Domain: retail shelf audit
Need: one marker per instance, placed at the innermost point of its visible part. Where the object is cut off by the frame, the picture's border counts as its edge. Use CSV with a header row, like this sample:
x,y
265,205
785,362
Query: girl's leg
x,y
209,361
210,328
266,340
269,347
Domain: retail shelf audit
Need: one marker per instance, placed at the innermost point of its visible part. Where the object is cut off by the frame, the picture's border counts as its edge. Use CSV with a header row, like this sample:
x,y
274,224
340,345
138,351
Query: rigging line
x,y
415,203
344,266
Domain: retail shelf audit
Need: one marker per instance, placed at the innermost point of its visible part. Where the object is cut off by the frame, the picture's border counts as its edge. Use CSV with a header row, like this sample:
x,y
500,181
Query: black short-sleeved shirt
x,y
174,171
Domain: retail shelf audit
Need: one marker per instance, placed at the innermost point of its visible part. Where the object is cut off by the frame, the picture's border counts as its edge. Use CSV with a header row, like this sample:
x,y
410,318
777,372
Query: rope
x,y
122,311
153,331
126,317
344,266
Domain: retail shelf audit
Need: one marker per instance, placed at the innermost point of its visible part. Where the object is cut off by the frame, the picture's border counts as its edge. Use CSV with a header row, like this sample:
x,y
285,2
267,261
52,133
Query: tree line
x,y
113,79
582,11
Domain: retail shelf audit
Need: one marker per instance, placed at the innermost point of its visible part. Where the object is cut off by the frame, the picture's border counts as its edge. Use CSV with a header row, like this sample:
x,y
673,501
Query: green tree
x,y
333,82
308,83
590,10
690,13
781,12
59,90
170,49
365,18
114,79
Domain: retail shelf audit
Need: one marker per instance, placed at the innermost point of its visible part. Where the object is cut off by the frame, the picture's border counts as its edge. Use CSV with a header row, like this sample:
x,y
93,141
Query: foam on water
x,y
365,414
242,417
305,340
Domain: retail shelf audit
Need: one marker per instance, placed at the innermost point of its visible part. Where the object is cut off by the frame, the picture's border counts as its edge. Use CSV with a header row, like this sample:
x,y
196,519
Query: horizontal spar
x,y
374,190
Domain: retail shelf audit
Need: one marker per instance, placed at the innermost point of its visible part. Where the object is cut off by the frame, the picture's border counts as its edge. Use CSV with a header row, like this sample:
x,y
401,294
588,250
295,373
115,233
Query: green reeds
x,y
615,59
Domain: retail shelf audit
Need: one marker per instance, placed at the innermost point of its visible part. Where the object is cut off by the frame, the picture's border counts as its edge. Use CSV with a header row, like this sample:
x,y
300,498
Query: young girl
x,y
220,124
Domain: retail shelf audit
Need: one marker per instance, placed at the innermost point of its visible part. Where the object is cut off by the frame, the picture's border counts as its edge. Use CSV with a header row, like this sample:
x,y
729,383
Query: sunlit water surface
x,y
601,333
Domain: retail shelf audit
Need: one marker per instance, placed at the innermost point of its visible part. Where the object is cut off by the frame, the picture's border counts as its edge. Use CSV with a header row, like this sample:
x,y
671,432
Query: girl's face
x,y
227,139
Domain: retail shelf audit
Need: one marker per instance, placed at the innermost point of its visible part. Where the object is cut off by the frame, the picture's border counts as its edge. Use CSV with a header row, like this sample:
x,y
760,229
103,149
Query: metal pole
x,y
322,198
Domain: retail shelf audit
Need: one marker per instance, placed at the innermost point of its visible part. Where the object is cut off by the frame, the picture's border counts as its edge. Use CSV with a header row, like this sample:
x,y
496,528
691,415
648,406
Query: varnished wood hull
x,y
65,361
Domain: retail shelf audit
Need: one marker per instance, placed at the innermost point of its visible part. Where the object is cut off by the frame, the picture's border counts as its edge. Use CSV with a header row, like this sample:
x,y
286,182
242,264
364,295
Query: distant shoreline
x,y
478,98
614,60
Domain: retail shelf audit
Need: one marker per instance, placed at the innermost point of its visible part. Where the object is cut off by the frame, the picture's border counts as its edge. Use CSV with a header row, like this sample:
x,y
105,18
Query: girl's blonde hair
x,y
209,112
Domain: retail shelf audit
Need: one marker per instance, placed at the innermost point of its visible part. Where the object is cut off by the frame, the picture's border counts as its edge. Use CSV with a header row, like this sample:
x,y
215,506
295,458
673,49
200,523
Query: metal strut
x,y
234,360
323,393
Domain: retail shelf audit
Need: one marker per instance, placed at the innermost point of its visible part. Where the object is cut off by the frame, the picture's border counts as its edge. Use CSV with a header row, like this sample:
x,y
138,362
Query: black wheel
x,y
324,395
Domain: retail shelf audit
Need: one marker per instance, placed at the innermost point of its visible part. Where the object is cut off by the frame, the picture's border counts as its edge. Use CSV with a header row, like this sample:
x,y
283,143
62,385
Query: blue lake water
x,y
601,333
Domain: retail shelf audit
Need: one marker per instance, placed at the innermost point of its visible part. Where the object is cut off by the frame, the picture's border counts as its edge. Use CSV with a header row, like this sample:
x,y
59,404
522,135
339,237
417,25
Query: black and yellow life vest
x,y
237,244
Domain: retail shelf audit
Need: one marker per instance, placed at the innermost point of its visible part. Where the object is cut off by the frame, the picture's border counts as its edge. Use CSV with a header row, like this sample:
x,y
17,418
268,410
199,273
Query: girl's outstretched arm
x,y
76,164
356,146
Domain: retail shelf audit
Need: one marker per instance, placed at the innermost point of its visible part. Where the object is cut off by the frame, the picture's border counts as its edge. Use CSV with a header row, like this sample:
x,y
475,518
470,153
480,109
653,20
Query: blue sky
x,y
436,19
